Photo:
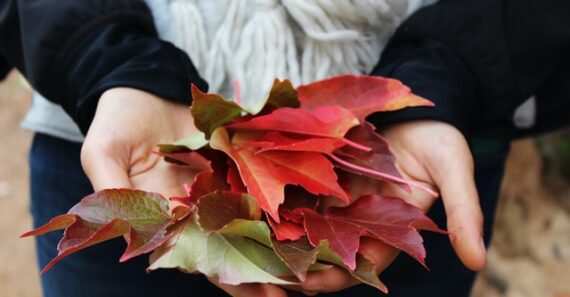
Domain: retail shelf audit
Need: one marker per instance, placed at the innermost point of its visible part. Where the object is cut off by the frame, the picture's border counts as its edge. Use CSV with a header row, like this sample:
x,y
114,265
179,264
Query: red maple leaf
x,y
361,95
266,174
389,219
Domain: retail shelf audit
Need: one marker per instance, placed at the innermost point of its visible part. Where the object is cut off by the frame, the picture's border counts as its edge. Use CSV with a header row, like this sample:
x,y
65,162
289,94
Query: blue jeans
x,y
58,182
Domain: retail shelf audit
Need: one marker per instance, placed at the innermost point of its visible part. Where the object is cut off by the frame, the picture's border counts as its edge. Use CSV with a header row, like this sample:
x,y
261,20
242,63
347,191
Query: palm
x,y
437,154
118,148
117,153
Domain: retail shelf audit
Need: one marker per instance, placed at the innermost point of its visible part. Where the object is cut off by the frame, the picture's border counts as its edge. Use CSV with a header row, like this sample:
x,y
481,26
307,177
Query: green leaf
x,y
211,111
283,94
233,254
192,142
366,272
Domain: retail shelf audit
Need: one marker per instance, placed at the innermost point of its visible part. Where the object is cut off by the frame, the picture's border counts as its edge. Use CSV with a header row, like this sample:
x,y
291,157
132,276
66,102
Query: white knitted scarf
x,y
253,42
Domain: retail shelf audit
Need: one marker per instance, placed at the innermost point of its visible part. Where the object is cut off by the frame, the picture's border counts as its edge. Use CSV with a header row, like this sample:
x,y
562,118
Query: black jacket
x,y
476,59
480,59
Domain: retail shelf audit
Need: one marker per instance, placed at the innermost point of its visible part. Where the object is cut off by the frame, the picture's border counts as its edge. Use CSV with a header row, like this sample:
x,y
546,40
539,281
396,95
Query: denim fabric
x,y
58,182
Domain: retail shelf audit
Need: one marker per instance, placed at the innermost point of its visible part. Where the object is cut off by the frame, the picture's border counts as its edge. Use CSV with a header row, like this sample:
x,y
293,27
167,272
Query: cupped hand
x,y
128,125
435,153
117,153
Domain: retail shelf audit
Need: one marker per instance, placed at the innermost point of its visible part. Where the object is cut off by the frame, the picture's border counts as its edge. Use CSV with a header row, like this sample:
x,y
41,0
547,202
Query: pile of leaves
x,y
278,190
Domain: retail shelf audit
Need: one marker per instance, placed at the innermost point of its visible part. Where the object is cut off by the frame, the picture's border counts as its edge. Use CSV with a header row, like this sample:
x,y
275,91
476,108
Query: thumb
x,y
103,170
464,215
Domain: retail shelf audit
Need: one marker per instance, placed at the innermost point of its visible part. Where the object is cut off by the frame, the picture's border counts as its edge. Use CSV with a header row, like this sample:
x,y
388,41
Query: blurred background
x,y
529,256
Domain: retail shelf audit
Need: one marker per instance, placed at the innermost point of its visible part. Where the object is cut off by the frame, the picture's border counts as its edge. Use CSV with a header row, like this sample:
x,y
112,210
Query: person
x,y
125,87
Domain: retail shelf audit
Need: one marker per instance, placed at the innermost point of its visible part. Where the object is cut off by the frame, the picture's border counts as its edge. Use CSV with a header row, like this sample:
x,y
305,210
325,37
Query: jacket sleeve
x,y
72,51
478,59
4,68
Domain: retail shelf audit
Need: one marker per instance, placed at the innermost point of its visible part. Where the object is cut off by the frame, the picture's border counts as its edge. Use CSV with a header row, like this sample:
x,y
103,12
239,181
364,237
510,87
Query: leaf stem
x,y
187,189
237,93
357,146
382,175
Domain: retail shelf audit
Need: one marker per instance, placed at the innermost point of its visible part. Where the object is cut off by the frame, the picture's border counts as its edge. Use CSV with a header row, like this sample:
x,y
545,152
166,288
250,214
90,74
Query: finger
x,y
329,280
380,253
463,211
163,178
336,279
247,290
103,171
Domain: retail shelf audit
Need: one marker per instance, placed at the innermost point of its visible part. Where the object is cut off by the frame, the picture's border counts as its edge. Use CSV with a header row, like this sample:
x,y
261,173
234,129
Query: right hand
x,y
435,153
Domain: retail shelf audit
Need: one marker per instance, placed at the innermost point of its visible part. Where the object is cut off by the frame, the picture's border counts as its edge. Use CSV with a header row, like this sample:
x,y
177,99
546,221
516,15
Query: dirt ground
x,y
18,273
530,254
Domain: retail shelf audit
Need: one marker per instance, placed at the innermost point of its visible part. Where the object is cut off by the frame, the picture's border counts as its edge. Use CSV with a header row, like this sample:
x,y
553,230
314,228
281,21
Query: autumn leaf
x,y
298,255
230,256
286,230
211,111
139,216
278,157
380,158
329,121
217,209
235,247
378,163
60,222
344,239
234,179
298,198
361,95
388,219
266,174
206,183
310,170
301,257
366,273
255,174
288,142
194,141
283,94
191,160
